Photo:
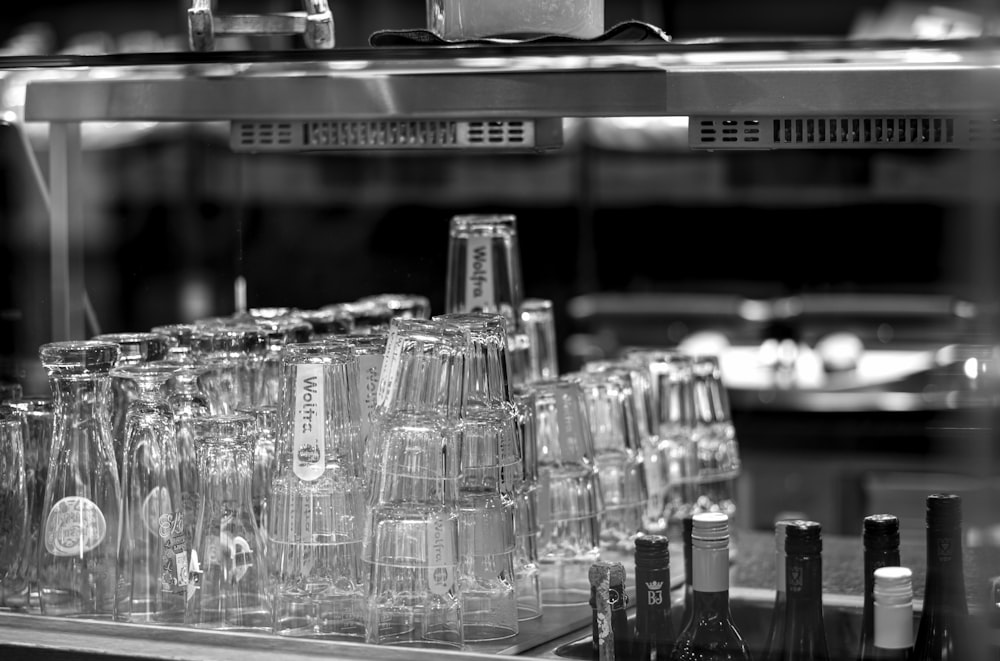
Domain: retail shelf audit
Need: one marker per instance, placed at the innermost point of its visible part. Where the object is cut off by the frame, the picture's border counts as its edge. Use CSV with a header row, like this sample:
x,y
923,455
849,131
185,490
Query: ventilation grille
x,y
323,135
844,132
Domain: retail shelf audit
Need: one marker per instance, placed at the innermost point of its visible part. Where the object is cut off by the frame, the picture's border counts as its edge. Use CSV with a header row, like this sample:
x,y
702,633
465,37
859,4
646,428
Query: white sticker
x,y
566,420
370,366
308,451
74,526
393,354
174,572
479,292
441,569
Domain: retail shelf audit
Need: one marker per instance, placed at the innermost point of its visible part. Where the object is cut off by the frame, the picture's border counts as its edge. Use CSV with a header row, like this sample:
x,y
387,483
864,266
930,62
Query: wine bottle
x,y
892,636
654,630
805,634
880,535
774,646
711,635
608,600
942,634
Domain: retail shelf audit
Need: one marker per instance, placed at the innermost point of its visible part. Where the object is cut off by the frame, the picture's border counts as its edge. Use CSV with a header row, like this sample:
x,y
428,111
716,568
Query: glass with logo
x,y
153,546
484,267
78,558
317,506
228,584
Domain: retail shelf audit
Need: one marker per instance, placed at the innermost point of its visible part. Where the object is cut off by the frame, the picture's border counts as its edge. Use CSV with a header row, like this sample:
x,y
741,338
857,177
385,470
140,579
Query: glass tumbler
x,y
529,589
228,585
329,323
182,336
570,501
317,507
614,428
153,546
484,266
538,323
265,435
77,564
187,404
134,349
231,357
406,306
36,417
280,331
14,528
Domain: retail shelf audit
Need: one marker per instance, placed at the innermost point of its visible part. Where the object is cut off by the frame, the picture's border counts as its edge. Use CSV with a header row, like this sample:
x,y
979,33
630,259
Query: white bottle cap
x,y
893,596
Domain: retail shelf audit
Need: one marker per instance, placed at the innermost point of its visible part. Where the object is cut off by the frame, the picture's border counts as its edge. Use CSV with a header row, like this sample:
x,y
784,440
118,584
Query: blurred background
x,y
846,291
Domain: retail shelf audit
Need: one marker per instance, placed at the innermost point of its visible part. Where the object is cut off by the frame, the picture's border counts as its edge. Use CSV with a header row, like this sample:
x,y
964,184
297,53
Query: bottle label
x,y
174,569
370,366
74,526
894,627
711,570
479,292
308,448
441,569
654,593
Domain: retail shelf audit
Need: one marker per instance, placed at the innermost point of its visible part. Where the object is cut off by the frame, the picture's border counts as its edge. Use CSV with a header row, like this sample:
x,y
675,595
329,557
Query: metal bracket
x,y
315,24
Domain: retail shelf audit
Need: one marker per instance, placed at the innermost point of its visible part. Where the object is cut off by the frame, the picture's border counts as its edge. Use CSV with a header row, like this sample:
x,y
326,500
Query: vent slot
x,y
899,132
324,135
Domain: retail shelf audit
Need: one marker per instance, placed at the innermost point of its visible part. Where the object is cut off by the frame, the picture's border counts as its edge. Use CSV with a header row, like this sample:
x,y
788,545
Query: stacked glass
x,y
538,322
14,525
617,456
526,527
187,404
715,435
36,419
673,405
491,476
231,356
655,471
317,496
570,501
411,541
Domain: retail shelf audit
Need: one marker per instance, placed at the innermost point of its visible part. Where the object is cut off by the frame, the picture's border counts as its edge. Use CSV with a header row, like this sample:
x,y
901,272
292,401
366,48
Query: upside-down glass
x,y
231,357
316,522
36,417
14,527
538,323
280,331
329,323
134,349
487,366
406,306
570,502
265,433
77,564
228,584
187,403
153,546
715,435
182,336
529,589
613,425
484,266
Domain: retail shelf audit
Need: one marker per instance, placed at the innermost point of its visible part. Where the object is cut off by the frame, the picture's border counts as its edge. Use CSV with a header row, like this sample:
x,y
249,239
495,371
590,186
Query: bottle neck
x,y
945,586
804,581
652,589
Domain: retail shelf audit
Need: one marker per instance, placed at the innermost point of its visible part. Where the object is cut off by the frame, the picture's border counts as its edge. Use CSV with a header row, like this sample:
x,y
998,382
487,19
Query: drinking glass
x,y
484,266
538,323
718,449
487,366
36,417
134,349
76,567
265,433
231,358
529,589
406,306
316,523
570,501
329,323
366,317
279,331
14,526
153,547
182,336
10,392
228,586
187,404
613,426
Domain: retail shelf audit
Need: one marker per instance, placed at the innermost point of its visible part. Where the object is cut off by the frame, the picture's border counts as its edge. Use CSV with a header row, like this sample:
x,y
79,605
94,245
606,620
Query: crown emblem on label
x,y
654,585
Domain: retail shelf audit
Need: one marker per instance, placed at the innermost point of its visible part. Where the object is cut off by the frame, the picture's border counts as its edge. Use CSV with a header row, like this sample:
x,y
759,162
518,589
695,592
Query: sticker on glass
x,y
479,288
308,451
441,569
74,526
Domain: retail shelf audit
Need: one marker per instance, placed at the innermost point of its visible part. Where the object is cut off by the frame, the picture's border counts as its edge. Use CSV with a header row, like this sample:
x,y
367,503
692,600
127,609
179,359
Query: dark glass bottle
x,y
688,571
711,635
609,625
892,634
654,630
943,623
774,646
805,634
881,543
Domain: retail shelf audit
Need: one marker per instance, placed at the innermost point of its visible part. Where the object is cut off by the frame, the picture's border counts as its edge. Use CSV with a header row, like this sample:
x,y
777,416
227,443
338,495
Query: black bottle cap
x,y
881,532
803,538
652,551
944,510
